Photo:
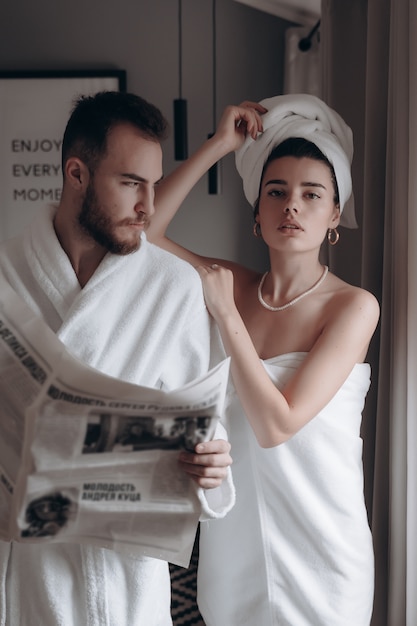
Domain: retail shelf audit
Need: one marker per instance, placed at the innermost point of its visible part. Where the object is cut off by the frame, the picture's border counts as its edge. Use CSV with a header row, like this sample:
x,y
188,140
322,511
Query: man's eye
x,y
131,183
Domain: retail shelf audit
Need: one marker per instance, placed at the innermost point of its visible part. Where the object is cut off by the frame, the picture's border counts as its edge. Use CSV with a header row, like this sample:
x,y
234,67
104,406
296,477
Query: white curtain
x,y
381,37
302,68
411,496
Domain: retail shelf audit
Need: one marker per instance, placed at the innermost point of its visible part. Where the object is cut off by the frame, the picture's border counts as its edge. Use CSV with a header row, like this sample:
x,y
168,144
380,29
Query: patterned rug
x,y
184,609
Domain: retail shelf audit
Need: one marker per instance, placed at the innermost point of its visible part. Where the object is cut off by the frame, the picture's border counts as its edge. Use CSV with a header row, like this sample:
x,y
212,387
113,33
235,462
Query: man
x,y
128,309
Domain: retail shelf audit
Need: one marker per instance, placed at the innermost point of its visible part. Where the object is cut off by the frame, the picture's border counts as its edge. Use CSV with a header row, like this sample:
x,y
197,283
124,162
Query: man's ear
x,y
76,173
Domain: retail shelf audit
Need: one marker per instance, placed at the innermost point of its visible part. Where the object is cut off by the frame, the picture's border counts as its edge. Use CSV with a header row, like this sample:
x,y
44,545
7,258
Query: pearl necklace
x,y
294,300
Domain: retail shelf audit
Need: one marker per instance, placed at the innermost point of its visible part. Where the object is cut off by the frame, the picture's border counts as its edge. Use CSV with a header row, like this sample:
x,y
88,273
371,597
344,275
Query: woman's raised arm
x,y
235,123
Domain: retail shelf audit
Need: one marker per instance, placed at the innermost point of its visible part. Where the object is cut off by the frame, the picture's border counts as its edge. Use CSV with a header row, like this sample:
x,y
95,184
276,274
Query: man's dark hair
x,y
93,117
299,148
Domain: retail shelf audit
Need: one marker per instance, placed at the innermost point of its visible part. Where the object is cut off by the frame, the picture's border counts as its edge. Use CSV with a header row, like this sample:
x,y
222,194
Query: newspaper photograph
x,y
88,458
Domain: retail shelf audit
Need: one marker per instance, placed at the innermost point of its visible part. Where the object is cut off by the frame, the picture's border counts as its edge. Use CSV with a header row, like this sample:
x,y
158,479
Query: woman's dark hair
x,y
299,148
93,117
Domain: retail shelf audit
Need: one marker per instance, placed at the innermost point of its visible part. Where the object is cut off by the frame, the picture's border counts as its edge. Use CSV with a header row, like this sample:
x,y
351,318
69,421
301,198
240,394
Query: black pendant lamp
x,y
214,171
180,105
305,43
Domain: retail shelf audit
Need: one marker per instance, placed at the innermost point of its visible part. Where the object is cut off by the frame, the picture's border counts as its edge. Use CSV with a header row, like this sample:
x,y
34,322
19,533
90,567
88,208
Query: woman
x,y
297,549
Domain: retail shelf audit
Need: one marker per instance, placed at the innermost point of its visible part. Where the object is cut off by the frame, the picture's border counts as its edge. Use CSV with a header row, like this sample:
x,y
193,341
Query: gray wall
x,y
142,38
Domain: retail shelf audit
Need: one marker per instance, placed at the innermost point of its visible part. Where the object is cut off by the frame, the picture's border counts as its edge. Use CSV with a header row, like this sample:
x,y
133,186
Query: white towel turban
x,y
300,115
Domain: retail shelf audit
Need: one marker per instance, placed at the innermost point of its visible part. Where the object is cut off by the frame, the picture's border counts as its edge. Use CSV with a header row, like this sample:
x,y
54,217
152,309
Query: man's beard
x,y
101,228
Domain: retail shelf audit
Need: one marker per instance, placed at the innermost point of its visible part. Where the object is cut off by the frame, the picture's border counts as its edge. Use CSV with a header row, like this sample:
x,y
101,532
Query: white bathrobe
x,y
141,318
296,550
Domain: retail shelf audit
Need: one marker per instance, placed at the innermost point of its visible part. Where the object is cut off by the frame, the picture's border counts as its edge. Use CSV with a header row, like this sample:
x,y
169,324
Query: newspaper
x,y
88,458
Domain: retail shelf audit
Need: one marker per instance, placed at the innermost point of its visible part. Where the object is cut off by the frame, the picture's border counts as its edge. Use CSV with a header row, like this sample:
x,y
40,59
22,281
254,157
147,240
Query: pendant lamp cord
x,y
180,49
214,47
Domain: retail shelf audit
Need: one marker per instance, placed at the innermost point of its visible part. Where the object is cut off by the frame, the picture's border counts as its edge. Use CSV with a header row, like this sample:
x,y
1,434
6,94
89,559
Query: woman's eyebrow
x,y
280,181
276,181
311,184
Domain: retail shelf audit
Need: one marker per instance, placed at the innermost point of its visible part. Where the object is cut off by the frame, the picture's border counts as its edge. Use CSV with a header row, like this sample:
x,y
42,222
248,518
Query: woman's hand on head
x,y
237,122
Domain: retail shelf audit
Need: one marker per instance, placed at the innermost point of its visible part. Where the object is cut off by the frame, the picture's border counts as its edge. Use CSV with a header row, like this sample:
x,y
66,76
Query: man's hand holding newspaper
x,y
89,458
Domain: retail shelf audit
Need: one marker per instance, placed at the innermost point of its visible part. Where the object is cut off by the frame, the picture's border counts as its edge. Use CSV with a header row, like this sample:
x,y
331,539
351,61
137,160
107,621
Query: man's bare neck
x,y
84,254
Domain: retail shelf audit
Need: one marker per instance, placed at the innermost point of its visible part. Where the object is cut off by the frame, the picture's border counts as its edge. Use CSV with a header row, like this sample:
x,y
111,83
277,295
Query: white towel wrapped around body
x,y
297,549
306,116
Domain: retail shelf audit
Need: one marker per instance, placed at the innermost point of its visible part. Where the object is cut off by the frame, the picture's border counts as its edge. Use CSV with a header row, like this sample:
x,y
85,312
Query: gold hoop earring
x,y
332,236
257,230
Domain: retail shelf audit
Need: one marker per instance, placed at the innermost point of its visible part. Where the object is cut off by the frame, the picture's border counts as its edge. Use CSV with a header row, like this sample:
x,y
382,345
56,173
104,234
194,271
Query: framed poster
x,y
34,109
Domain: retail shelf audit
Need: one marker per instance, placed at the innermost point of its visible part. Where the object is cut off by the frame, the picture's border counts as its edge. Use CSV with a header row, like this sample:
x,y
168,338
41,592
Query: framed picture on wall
x,y
34,109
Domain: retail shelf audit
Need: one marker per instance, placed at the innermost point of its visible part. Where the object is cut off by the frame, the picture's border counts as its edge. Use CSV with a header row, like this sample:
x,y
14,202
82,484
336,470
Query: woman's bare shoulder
x,y
344,289
351,299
